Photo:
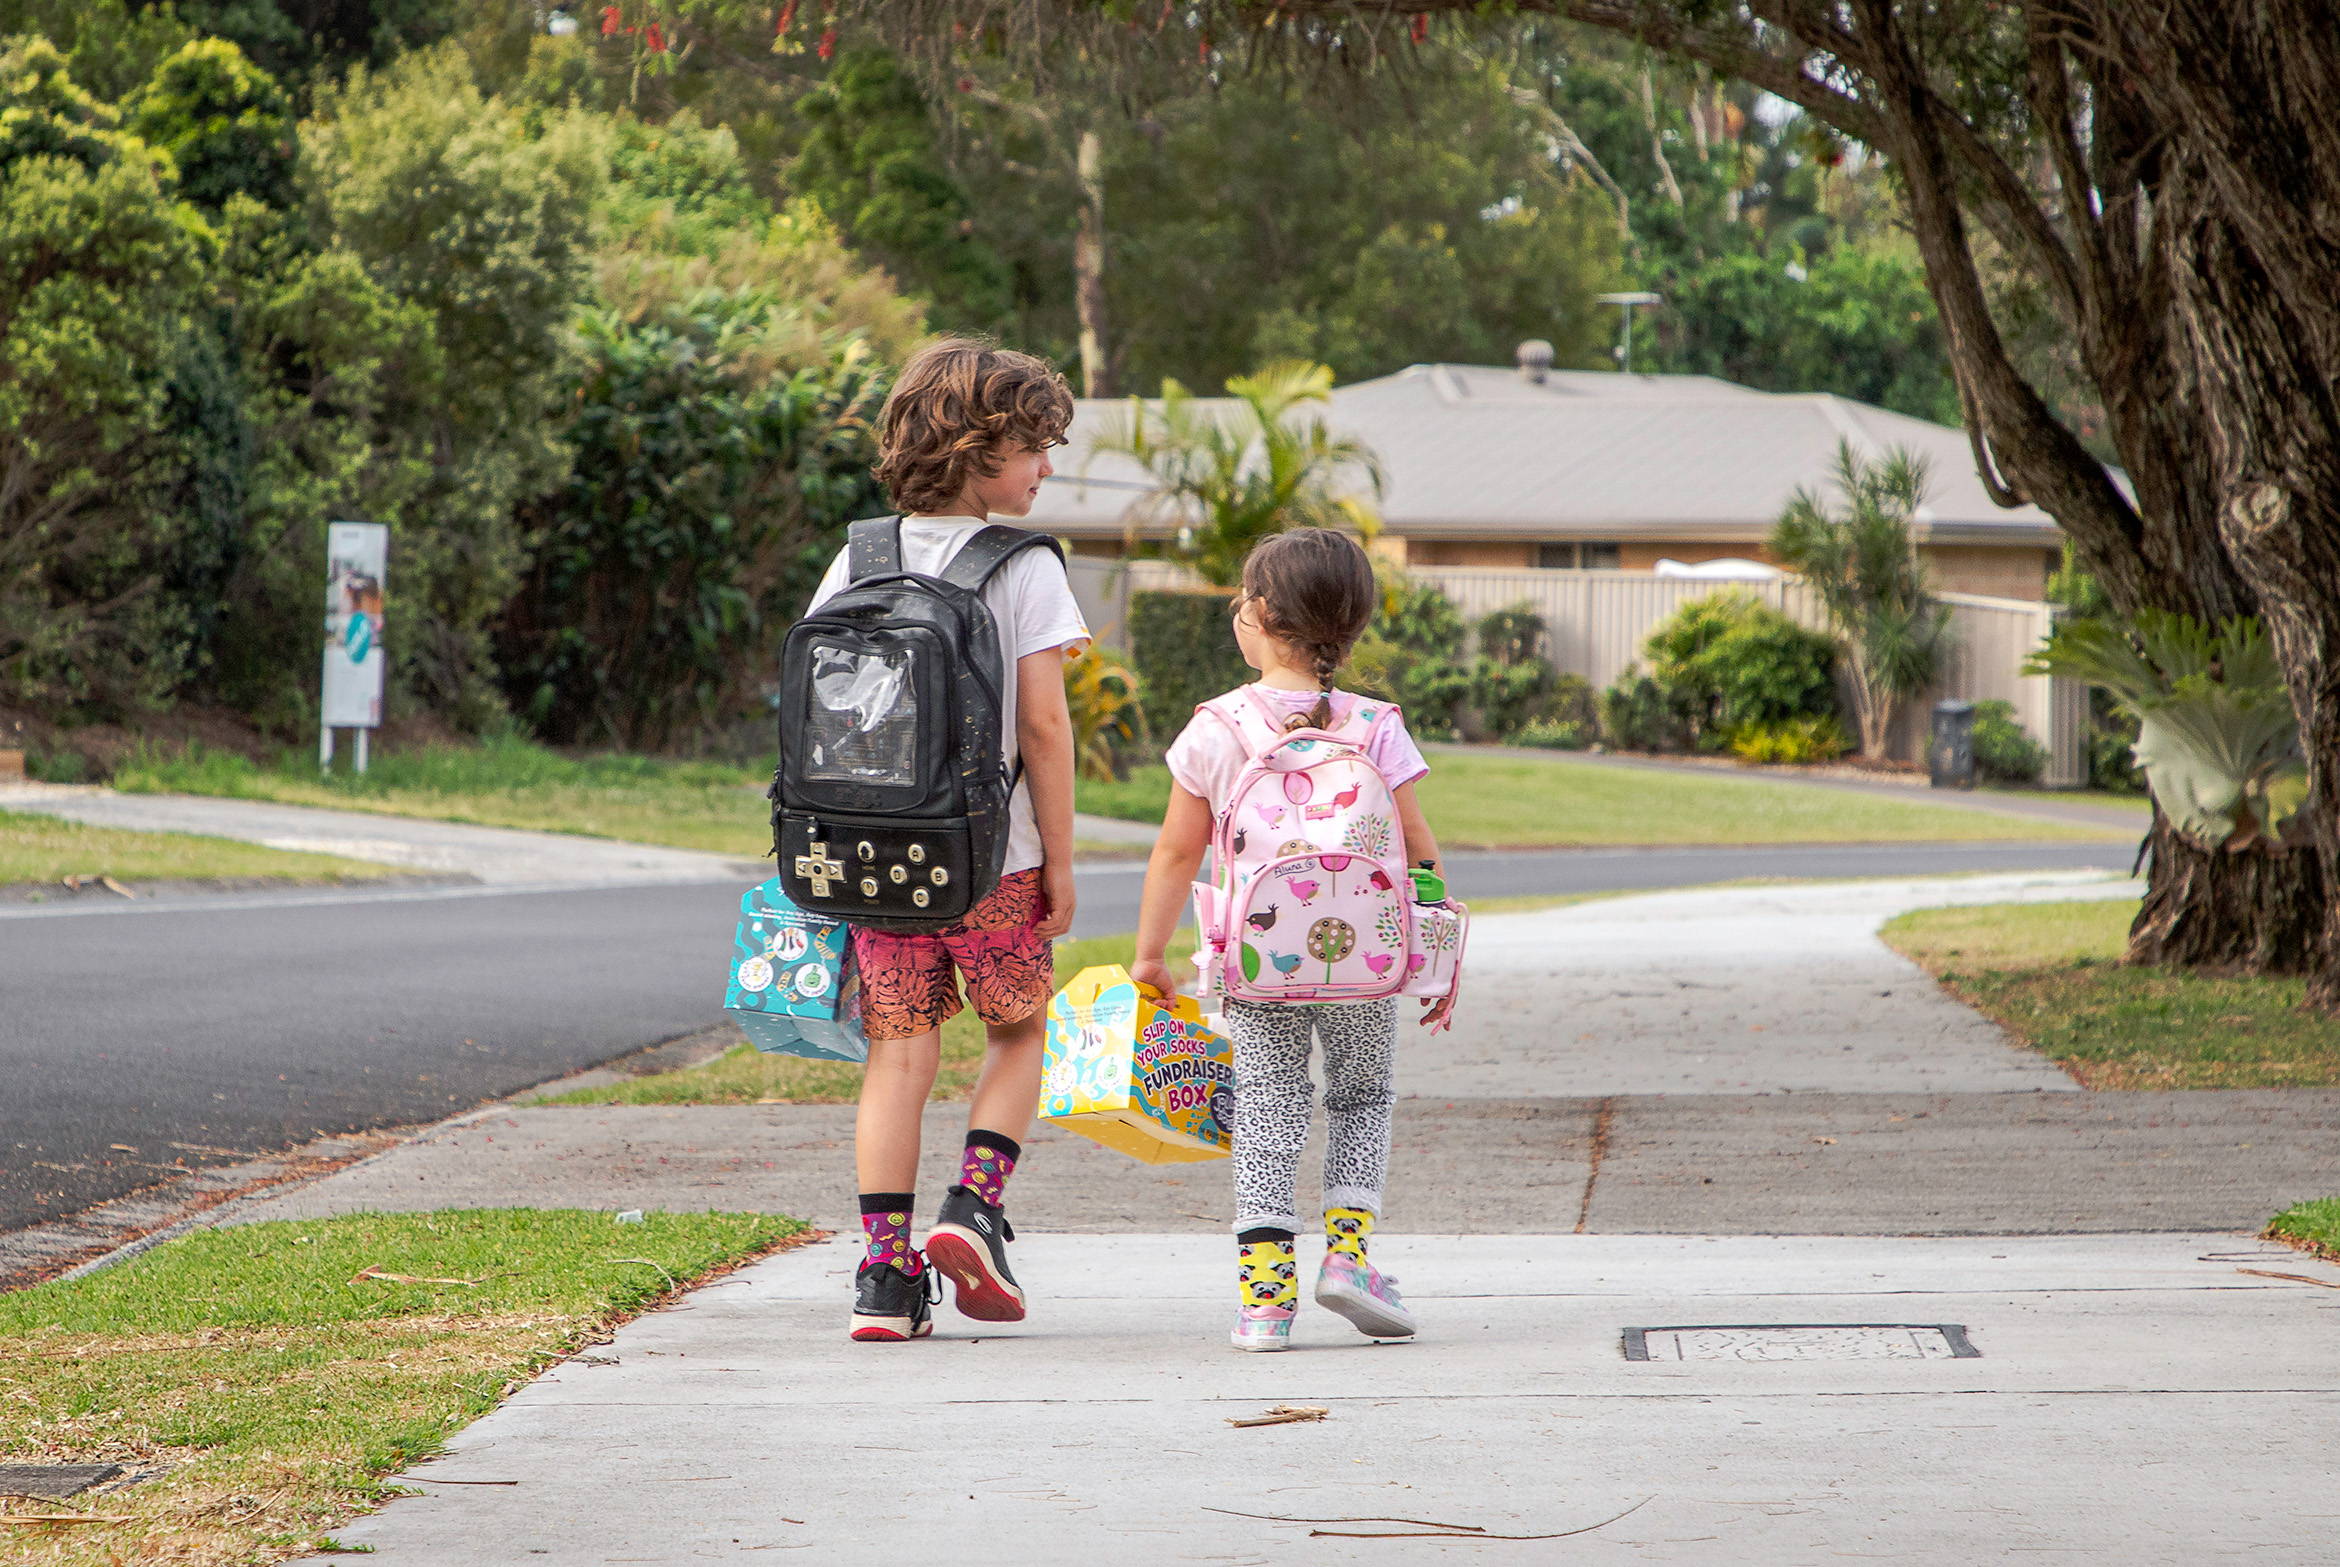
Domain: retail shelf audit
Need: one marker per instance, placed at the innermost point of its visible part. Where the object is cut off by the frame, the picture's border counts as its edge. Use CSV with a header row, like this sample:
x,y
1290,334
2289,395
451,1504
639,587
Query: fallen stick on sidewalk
x,y
2295,1278
1468,1532
33,1518
1419,1523
1282,1415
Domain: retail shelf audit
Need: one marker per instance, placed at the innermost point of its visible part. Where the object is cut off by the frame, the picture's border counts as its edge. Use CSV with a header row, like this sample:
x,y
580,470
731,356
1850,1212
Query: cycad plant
x,y
2216,733
1101,694
1863,564
1227,475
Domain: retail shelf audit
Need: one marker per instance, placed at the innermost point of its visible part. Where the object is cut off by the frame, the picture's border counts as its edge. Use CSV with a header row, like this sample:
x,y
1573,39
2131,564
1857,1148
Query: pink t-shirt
x,y
1207,757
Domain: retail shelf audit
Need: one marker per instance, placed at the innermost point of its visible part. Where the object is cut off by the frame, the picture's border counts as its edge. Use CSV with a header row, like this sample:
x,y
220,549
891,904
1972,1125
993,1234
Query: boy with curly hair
x,y
964,440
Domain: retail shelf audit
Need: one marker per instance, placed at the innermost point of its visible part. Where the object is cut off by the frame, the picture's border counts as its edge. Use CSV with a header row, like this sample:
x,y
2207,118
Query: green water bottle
x,y
1429,886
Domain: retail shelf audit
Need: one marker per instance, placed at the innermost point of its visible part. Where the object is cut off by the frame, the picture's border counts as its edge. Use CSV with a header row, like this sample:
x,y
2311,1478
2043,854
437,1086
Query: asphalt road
x,y
206,1028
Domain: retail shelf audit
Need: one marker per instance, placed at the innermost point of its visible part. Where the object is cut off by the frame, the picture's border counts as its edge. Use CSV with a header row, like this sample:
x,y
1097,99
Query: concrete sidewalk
x,y
2136,1399
1801,1164
1858,1154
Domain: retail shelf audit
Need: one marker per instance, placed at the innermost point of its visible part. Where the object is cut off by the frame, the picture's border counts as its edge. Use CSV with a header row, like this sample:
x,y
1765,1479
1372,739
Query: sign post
x,y
357,556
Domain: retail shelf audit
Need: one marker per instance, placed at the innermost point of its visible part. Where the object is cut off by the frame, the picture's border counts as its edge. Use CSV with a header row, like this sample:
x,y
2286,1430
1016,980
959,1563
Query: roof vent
x,y
1535,360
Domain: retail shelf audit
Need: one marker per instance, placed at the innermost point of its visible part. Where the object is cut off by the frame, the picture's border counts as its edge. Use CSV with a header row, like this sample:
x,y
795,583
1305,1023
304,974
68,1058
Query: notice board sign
x,y
357,557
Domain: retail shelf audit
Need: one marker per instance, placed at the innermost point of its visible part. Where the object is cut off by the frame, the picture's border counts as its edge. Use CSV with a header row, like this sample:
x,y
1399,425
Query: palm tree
x,y
2216,732
1869,578
1227,476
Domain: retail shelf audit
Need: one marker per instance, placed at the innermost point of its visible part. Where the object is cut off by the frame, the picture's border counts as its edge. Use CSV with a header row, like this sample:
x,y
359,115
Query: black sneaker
x,y
969,1244
890,1307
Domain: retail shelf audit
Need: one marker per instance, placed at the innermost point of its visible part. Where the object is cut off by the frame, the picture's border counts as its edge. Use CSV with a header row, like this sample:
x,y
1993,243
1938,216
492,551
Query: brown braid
x,y
1315,590
957,408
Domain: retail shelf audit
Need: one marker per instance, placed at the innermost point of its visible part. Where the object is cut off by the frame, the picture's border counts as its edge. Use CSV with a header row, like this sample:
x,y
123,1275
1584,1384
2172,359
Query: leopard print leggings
x,y
1274,1104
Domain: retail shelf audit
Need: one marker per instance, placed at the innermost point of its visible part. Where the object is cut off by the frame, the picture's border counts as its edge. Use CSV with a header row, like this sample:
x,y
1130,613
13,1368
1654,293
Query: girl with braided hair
x,y
1307,595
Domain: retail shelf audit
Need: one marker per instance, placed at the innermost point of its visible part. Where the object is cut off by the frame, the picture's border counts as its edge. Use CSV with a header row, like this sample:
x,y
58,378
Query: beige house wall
x,y
1641,555
1500,555
1991,570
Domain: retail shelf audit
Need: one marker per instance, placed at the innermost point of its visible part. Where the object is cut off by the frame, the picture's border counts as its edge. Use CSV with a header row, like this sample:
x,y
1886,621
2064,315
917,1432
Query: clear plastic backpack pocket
x,y
862,715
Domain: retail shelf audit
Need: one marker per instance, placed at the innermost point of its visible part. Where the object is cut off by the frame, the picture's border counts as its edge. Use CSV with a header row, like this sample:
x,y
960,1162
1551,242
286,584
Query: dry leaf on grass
x,y
374,1274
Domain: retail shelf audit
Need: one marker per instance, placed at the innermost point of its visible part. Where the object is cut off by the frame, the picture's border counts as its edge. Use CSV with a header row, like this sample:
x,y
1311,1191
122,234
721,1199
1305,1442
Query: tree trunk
x,y
2253,912
2252,191
1089,268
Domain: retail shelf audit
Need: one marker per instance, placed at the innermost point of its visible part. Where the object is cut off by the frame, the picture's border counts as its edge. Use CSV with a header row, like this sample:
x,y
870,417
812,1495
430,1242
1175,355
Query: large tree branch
x,y
2025,438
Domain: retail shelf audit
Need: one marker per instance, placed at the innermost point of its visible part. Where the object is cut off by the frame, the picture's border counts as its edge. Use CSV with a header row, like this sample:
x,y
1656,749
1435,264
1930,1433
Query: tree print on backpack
x,y
1329,941
1370,836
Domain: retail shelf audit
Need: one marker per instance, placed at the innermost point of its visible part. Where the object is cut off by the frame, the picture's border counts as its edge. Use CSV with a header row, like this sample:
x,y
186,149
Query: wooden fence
x,y
1597,621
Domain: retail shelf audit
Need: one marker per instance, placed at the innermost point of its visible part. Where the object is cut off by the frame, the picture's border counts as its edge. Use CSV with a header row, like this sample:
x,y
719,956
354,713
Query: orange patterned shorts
x,y
910,984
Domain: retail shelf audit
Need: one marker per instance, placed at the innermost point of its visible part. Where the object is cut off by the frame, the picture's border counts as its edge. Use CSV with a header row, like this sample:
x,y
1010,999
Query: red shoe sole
x,y
887,1335
983,1295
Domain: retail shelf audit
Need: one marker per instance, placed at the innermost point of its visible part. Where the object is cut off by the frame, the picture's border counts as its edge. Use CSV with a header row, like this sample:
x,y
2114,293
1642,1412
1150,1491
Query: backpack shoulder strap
x,y
1358,730
1243,712
984,554
873,548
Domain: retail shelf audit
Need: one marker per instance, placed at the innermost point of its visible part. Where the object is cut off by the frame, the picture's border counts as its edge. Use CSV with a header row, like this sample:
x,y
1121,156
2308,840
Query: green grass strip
x,y
2311,1226
2051,974
39,849
709,806
280,1387
1502,802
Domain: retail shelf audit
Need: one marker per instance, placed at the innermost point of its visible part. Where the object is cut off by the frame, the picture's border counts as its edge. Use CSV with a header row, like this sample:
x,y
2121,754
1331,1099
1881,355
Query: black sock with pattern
x,y
885,1226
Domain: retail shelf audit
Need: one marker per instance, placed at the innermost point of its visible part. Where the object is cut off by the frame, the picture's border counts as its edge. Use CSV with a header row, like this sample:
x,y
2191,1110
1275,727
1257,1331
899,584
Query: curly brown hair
x,y
1315,591
956,409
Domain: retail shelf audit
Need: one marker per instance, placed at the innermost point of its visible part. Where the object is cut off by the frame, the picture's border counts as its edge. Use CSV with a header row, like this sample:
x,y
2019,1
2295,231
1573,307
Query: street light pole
x,y
1624,350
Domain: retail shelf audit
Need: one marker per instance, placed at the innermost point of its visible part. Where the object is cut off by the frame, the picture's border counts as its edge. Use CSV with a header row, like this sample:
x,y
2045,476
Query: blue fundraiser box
x,y
793,987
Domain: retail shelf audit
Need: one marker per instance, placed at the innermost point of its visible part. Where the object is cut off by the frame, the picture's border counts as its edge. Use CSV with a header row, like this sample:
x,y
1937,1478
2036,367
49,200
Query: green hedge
x,y
1185,653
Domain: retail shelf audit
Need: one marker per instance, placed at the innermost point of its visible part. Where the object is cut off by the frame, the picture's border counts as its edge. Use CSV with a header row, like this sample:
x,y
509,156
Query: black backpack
x,y
890,804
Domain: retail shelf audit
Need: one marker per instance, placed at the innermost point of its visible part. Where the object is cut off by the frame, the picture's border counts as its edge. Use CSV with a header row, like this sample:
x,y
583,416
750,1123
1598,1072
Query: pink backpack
x,y
1310,899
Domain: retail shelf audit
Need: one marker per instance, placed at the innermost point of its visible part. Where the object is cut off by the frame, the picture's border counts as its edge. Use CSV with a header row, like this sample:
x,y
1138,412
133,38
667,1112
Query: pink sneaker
x,y
1262,1327
1365,1295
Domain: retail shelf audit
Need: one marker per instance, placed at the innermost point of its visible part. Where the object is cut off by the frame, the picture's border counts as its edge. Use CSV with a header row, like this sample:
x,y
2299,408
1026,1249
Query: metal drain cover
x,y
1803,1341
54,1482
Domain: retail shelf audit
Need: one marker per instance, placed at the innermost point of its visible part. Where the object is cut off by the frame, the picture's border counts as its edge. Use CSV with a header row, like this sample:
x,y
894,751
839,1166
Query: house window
x,y
1578,555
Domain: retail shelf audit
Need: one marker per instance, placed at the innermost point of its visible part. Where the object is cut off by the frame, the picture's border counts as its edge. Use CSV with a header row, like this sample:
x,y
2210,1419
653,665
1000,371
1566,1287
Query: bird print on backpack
x,y
1264,921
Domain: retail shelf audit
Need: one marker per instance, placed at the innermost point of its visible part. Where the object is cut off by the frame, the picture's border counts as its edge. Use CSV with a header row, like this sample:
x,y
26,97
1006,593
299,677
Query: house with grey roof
x,y
1574,469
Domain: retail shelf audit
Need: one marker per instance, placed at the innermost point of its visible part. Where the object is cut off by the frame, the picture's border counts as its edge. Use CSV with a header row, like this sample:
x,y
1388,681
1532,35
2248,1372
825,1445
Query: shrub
x,y
1412,656
1184,652
1556,734
1793,741
1512,683
1108,719
1639,713
2003,752
2112,745
1727,660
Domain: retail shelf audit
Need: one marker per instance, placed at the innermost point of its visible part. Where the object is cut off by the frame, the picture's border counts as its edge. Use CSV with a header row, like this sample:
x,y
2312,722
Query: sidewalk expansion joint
x,y
1604,1118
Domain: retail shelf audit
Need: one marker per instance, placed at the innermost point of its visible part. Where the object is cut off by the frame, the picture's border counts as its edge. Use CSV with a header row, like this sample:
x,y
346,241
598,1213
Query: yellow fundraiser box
x,y
1150,1080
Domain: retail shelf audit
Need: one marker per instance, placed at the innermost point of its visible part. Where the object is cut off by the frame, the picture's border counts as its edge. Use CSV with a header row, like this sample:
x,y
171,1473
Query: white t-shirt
x,y
1032,605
